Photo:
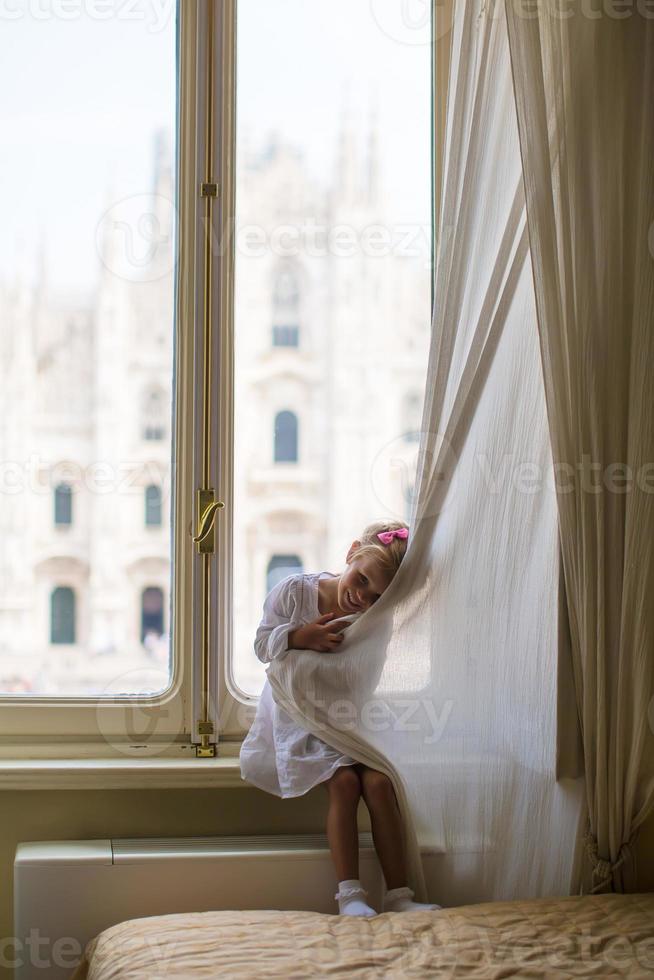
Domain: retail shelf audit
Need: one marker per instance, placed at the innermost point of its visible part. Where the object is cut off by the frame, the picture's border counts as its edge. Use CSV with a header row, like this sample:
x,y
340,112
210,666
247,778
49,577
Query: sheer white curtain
x,y
449,682
584,87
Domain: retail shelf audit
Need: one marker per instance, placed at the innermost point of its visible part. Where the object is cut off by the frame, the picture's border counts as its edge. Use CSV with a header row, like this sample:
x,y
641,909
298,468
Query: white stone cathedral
x,y
331,336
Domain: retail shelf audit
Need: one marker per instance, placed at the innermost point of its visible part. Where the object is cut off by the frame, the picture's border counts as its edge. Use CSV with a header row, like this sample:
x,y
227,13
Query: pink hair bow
x,y
387,536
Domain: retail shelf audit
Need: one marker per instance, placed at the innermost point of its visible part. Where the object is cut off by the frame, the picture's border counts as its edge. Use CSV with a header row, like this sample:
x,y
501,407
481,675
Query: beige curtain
x,y
584,87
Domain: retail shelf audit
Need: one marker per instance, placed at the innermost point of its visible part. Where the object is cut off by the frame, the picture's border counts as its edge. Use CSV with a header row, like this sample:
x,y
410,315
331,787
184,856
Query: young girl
x,y
282,758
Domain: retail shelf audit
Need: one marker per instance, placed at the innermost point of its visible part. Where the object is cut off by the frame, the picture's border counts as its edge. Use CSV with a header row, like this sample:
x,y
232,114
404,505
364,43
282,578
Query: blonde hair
x,y
388,556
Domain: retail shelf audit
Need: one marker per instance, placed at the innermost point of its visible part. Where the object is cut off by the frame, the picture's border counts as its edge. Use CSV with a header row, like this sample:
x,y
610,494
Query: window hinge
x,y
206,749
208,189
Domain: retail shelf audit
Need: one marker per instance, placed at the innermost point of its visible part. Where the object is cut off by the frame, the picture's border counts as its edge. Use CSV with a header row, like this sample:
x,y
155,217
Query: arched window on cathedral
x,y
152,612
62,615
153,506
286,437
154,415
286,309
412,416
286,292
63,505
280,567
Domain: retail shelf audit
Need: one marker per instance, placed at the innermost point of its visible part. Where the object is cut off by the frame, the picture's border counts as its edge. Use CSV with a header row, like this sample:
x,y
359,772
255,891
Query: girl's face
x,y
361,584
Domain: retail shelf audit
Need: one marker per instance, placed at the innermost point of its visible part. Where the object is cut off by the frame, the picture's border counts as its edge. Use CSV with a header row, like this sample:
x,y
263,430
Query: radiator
x,y
66,892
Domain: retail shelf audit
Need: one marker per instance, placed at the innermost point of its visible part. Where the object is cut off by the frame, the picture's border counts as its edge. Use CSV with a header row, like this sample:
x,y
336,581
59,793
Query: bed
x,y
589,936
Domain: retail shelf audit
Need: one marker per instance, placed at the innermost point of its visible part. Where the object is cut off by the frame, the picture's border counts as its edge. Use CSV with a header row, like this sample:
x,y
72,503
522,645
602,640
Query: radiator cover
x,y
66,892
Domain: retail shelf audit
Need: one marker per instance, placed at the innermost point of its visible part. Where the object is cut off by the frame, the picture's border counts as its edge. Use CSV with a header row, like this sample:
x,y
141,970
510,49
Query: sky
x,y
85,84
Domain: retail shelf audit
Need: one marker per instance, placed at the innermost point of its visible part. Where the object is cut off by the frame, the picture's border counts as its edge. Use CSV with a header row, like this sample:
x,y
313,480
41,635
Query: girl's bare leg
x,y
344,789
386,822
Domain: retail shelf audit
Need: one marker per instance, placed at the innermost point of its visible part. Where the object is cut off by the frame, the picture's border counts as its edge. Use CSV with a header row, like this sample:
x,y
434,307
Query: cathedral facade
x,y
331,337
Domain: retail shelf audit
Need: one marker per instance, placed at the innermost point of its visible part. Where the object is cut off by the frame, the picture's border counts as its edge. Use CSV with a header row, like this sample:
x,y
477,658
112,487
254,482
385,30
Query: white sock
x,y
351,898
401,900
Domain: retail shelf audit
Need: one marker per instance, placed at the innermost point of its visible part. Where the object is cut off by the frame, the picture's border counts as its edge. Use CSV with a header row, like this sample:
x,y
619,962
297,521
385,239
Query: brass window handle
x,y
207,521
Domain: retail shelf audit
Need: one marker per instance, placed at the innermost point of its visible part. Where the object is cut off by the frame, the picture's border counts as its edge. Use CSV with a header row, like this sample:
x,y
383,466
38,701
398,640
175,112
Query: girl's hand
x,y
319,636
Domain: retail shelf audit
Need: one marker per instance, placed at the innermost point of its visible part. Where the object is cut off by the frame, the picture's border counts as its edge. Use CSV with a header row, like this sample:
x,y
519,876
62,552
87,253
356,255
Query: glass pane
x,y
333,283
88,105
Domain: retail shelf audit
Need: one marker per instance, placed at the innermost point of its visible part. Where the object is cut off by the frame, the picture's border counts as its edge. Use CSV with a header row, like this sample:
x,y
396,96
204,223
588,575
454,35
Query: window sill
x,y
58,774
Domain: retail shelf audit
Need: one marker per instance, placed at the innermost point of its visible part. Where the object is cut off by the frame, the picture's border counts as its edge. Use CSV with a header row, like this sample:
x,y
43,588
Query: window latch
x,y
208,507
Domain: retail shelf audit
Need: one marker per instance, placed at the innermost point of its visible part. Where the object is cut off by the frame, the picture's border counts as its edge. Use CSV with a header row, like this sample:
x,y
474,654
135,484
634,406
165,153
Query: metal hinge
x,y
206,749
208,189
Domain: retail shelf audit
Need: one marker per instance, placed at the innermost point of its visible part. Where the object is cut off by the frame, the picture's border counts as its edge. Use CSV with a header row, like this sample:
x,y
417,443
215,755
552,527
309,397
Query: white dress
x,y
278,755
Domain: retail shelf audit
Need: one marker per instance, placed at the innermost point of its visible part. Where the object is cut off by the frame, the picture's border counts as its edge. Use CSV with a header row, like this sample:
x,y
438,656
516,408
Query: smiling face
x,y
361,584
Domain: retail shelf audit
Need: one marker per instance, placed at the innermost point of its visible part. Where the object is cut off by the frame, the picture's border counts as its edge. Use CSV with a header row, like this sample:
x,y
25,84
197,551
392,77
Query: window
x,y
409,493
280,567
154,416
286,305
412,416
334,172
152,615
62,615
287,291
156,381
286,336
98,263
63,505
285,437
153,506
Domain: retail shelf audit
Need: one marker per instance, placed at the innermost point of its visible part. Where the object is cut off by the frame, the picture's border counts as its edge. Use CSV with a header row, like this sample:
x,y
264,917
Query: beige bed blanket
x,y
591,936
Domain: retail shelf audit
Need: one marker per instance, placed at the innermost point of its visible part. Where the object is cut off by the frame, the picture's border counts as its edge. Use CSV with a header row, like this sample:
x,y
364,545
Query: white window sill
x,y
121,773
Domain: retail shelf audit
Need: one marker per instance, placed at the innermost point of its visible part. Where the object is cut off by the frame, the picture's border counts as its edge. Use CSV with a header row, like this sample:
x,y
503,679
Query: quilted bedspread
x,y
589,936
